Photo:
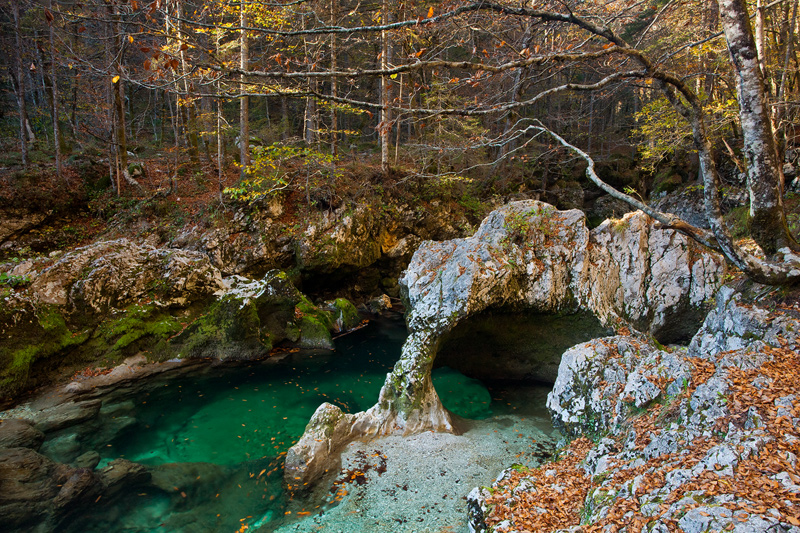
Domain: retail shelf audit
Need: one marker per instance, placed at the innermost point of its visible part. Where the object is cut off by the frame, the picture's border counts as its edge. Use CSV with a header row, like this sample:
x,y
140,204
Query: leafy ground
x,y
751,485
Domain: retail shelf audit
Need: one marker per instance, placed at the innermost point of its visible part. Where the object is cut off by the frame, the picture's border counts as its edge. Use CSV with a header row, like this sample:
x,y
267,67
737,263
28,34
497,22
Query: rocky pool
x,y
214,440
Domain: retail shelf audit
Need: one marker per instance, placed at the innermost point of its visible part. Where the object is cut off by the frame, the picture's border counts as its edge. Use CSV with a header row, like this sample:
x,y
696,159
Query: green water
x,y
215,440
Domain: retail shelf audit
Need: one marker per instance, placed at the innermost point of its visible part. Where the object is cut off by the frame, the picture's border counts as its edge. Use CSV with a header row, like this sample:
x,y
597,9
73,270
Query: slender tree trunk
x,y
119,95
334,85
58,141
24,126
310,113
764,171
220,157
244,112
386,114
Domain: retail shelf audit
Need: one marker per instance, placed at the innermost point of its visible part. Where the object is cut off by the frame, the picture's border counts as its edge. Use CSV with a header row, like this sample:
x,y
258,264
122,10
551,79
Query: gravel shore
x,y
419,484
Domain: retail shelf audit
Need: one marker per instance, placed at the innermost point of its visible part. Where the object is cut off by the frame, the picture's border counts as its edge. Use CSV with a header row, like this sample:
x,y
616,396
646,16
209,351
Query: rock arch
x,y
526,255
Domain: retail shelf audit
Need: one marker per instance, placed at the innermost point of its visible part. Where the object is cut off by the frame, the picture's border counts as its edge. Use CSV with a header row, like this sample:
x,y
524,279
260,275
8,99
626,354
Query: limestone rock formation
x,y
114,274
528,255
718,409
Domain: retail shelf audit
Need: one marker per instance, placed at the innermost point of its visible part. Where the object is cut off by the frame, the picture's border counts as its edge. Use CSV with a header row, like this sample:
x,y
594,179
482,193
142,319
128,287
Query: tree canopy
x,y
461,87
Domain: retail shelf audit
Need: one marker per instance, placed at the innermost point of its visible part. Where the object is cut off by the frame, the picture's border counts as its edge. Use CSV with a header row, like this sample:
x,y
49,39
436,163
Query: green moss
x,y
315,334
136,323
348,314
45,339
307,308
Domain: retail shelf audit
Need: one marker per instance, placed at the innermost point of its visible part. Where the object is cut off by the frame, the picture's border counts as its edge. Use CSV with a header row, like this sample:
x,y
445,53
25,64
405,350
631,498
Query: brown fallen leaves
x,y
556,494
556,500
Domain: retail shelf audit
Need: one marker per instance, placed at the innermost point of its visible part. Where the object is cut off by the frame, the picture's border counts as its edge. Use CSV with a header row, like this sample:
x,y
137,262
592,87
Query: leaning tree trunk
x,y
764,171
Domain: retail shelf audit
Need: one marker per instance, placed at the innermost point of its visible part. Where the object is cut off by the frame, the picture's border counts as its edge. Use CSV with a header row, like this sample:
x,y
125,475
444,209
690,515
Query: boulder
x,y
247,320
602,381
19,433
113,274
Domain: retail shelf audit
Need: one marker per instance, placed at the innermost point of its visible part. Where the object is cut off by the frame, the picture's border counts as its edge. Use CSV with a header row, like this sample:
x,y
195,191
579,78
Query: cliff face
x,y
525,255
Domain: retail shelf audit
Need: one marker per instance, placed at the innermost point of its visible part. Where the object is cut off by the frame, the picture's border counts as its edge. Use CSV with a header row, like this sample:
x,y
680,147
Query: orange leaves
x,y
561,510
430,12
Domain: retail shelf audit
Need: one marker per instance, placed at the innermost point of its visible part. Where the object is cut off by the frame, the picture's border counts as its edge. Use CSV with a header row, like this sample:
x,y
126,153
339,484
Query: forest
x,y
295,94
350,265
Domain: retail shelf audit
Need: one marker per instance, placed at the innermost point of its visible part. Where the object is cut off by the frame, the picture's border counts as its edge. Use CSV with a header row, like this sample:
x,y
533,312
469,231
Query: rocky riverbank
x,y
698,438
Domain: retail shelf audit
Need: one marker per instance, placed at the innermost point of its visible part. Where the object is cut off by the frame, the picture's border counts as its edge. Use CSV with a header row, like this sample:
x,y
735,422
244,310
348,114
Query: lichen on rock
x,y
528,255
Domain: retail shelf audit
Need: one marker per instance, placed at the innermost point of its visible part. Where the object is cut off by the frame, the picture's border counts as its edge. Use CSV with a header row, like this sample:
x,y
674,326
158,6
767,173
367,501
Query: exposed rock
x,y
19,433
600,382
335,244
247,320
16,221
670,432
114,274
658,281
381,303
528,255
65,415
326,433
28,484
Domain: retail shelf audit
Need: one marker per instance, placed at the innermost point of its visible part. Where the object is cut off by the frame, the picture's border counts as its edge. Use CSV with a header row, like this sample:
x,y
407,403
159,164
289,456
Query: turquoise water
x,y
215,440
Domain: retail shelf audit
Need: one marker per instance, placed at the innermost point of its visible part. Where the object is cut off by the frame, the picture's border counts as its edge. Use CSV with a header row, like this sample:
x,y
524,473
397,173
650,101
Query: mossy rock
x,y
666,182
314,334
247,322
306,308
39,342
347,316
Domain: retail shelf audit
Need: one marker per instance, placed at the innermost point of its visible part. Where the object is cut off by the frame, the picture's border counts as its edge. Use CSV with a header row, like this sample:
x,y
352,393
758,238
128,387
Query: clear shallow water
x,y
215,440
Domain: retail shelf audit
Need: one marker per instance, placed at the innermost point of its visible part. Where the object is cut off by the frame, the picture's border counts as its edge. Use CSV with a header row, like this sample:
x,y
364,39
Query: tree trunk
x,y
386,113
119,96
244,112
58,140
764,171
20,87
334,85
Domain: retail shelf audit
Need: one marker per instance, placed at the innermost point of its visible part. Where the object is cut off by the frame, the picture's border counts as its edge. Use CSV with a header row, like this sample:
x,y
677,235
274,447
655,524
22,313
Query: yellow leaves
x,y
115,79
393,76
130,39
